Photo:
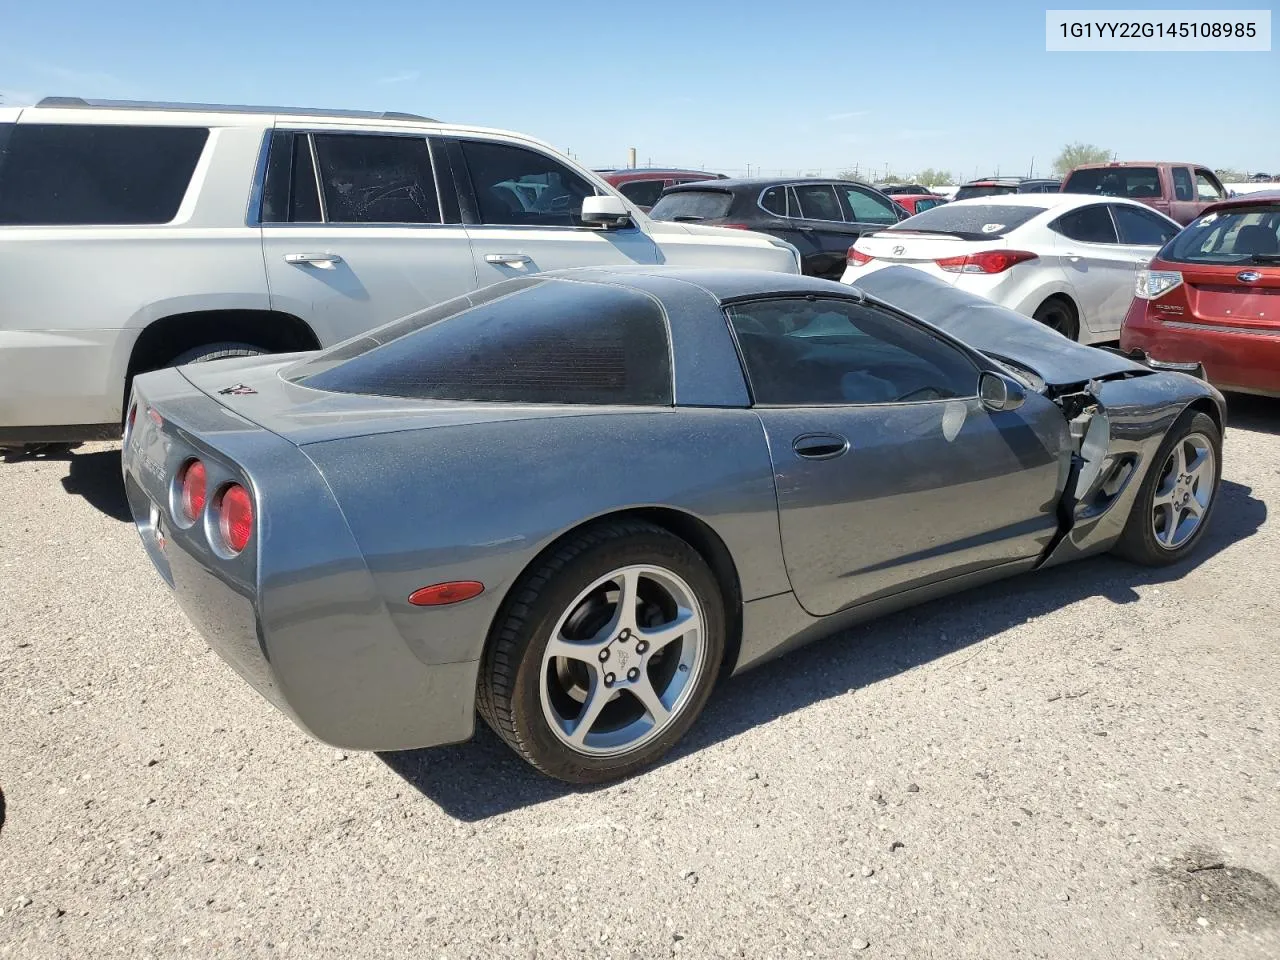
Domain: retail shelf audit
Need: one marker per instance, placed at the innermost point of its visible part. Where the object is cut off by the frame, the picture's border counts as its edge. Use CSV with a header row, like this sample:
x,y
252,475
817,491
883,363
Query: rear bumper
x,y
297,614
1234,359
59,386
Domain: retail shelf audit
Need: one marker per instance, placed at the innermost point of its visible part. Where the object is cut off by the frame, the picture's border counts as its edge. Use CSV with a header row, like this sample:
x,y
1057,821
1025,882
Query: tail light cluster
x,y
230,510
988,261
1153,284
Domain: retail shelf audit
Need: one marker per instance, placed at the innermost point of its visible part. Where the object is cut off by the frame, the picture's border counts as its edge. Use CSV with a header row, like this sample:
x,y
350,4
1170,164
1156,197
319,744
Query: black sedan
x,y
820,218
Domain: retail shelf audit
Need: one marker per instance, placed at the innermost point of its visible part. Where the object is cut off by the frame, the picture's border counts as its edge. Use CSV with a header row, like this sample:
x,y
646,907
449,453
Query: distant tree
x,y
892,178
1228,175
854,173
1074,154
930,177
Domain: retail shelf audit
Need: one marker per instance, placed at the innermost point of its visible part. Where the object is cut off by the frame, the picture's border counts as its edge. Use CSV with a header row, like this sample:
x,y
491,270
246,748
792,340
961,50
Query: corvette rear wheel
x,y
1177,496
605,654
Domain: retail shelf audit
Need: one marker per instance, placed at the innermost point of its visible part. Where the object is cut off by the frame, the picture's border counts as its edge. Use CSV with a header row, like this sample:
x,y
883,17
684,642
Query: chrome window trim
x,y
819,183
315,174
760,200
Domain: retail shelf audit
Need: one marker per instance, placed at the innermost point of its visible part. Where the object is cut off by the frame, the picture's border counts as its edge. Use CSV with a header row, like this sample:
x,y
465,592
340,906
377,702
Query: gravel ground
x,y
1081,763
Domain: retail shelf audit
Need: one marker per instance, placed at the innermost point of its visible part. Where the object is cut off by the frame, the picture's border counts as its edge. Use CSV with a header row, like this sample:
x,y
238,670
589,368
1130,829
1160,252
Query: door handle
x,y
510,259
805,229
321,261
1073,257
820,446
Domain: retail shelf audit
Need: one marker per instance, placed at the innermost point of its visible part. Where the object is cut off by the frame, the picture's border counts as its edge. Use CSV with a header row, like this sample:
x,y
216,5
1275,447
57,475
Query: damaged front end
x,y
1117,425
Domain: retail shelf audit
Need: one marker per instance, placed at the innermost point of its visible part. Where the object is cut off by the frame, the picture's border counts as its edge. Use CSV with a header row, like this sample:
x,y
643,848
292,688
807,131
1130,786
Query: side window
x,y
290,194
866,207
818,202
1087,225
1182,189
1141,227
520,187
643,193
774,200
376,179
1207,186
834,352
87,174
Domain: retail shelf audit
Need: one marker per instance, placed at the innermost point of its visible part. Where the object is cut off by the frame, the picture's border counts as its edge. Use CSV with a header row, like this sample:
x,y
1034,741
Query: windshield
x,y
692,205
1238,235
979,221
1136,183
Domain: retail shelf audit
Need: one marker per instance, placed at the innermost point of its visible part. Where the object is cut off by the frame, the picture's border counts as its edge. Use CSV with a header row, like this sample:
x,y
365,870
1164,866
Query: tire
x,y
1057,314
215,351
1159,530
531,694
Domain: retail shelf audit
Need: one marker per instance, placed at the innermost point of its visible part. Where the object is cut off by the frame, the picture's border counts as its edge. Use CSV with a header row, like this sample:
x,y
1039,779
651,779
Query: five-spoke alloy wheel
x,y
1172,507
605,653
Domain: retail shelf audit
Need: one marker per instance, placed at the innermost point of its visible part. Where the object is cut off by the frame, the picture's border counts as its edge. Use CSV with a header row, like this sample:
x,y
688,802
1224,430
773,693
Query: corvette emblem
x,y
239,390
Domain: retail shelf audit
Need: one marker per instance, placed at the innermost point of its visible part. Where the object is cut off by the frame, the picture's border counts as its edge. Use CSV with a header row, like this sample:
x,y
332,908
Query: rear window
x,y
522,341
54,174
644,193
1136,183
1241,235
979,221
984,190
693,205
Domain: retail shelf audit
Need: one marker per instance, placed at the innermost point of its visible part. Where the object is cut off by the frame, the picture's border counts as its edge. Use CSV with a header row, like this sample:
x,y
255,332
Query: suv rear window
x,y
530,340
55,174
979,221
1239,235
970,190
1136,183
692,205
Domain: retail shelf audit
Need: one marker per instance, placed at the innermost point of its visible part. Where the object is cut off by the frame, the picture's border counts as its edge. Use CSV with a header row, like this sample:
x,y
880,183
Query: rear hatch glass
x,y
1136,183
692,205
1230,265
979,221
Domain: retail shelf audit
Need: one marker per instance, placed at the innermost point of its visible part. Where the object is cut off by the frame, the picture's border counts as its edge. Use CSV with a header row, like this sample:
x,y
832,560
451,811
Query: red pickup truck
x,y
1178,190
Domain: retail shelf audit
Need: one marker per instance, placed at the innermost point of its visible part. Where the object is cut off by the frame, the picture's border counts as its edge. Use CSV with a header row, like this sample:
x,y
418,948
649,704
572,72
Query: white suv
x,y
135,236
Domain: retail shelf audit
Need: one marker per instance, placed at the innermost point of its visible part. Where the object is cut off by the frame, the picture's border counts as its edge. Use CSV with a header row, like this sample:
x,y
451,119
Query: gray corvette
x,y
569,502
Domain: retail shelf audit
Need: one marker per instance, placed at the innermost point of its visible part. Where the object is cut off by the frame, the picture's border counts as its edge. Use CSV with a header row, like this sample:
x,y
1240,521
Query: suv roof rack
x,y
83,104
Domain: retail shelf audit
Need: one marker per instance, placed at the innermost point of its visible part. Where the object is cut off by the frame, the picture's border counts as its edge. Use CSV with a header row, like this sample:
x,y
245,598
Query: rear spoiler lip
x,y
1193,368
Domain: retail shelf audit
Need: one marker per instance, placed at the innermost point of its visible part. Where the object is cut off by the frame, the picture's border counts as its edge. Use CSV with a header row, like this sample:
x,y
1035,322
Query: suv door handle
x,y
820,446
1073,257
510,259
322,261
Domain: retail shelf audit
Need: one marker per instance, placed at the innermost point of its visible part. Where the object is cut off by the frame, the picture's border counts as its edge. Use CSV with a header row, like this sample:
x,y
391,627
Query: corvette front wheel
x,y
605,654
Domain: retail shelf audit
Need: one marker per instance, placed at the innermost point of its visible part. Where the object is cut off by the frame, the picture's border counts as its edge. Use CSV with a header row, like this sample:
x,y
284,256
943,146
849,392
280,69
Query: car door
x,y
1183,206
1099,271
1209,189
353,234
828,236
889,472
522,209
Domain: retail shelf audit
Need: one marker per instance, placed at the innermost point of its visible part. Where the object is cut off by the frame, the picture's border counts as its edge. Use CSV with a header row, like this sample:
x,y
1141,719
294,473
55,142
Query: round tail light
x,y
191,481
235,517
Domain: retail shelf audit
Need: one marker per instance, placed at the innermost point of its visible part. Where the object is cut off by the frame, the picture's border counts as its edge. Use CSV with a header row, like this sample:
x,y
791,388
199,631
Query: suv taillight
x,y
1153,284
988,261
191,483
234,509
857,258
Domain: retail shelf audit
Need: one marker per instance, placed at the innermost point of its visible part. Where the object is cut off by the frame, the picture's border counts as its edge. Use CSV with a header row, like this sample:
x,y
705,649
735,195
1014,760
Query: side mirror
x,y
998,392
605,211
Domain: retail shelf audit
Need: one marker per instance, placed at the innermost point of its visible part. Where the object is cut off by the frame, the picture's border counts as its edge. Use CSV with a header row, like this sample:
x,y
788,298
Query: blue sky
x,y
960,86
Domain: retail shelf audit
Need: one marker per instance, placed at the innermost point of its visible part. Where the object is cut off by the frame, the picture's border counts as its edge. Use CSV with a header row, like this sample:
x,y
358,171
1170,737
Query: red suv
x,y
1212,295
643,185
